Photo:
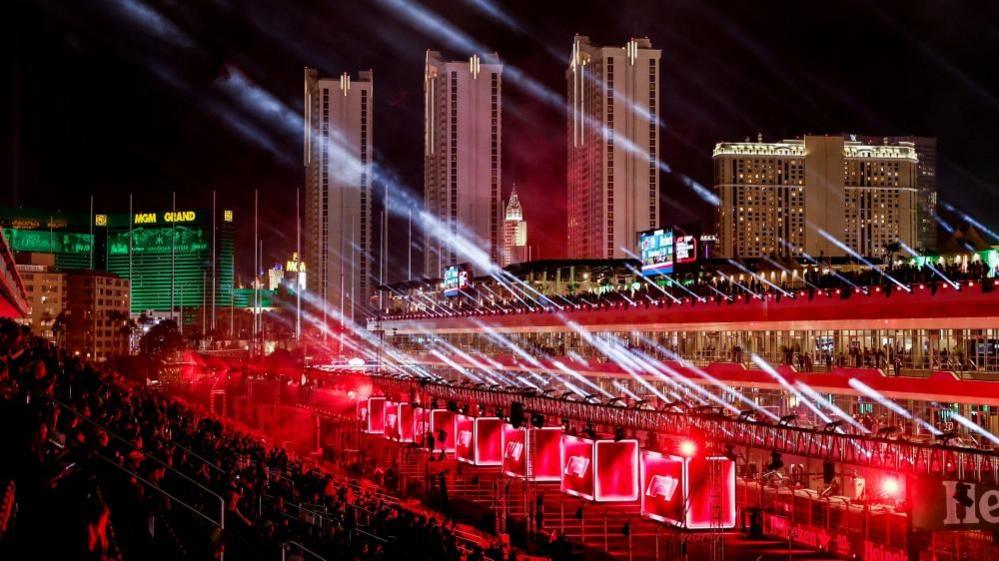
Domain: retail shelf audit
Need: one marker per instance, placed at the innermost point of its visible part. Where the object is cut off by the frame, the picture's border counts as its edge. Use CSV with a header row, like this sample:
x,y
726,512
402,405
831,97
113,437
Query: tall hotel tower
x,y
613,145
337,229
461,156
778,197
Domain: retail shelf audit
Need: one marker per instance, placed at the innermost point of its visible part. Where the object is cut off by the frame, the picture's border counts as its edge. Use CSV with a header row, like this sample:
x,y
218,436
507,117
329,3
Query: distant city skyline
x,y
221,90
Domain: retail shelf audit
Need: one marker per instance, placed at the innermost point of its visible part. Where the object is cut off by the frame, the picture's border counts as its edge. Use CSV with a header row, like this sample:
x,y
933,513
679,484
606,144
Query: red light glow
x,y
890,487
688,448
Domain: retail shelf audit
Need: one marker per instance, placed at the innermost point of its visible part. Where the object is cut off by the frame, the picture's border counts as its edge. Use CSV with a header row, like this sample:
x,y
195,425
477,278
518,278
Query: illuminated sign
x,y
577,474
576,466
662,487
295,265
456,279
488,436
617,470
376,415
656,250
953,505
43,241
100,220
542,446
443,427
404,419
685,249
227,215
465,438
689,492
513,451
463,427
169,217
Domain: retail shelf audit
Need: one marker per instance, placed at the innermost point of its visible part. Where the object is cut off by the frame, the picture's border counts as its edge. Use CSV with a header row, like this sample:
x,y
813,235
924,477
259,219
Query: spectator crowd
x,y
103,468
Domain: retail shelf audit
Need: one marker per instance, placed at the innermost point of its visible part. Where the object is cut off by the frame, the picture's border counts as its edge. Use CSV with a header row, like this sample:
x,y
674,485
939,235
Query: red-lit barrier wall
x,y
684,491
376,415
488,441
577,466
443,420
616,470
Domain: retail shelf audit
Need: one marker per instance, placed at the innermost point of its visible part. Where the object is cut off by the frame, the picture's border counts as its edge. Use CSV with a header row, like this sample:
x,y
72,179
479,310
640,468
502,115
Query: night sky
x,y
147,97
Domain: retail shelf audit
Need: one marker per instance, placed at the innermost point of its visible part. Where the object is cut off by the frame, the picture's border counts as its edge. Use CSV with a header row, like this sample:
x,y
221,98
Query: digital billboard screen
x,y
685,249
456,279
656,250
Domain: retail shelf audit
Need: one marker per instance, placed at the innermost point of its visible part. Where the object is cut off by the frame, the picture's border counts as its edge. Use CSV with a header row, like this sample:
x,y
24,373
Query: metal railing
x,y
899,455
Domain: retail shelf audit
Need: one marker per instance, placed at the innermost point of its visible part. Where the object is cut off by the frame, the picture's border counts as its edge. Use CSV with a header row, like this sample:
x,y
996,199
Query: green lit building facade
x,y
167,255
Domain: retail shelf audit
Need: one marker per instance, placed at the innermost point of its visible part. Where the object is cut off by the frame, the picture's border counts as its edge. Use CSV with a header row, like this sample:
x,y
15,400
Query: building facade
x,y
820,195
613,147
97,313
337,232
515,249
462,157
46,290
173,258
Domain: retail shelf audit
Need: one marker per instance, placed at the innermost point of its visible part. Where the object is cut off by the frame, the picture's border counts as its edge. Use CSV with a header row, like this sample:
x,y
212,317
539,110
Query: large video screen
x,y
656,249
685,249
456,279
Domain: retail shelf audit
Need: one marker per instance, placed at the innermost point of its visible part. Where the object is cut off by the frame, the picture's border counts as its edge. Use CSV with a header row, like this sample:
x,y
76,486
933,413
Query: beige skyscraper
x,y
777,197
613,146
462,156
515,248
336,233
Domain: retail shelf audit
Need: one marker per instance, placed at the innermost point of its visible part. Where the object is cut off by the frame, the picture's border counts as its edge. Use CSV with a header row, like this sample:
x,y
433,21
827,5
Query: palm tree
x,y
59,328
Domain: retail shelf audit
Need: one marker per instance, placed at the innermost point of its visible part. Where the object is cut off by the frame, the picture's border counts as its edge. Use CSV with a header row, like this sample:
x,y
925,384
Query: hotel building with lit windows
x,y
612,138
819,195
171,258
462,156
338,159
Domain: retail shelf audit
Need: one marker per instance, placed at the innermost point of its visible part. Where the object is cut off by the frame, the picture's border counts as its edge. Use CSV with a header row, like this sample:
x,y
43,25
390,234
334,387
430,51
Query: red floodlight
x,y
890,487
688,448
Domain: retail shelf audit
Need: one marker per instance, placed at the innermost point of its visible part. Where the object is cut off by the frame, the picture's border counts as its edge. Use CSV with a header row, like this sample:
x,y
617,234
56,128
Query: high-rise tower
x,y
337,157
613,146
462,155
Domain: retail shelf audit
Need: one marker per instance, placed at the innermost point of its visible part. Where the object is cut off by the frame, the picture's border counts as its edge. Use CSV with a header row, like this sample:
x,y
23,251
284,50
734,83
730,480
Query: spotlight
x,y
537,420
590,432
688,448
890,487
786,420
619,434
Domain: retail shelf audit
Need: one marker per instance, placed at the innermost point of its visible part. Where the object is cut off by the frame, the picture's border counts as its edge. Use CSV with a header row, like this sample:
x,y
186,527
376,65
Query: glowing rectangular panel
x,y
488,441
376,415
464,449
577,466
421,419
392,420
684,491
662,487
546,453
616,470
706,490
405,412
442,426
514,451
